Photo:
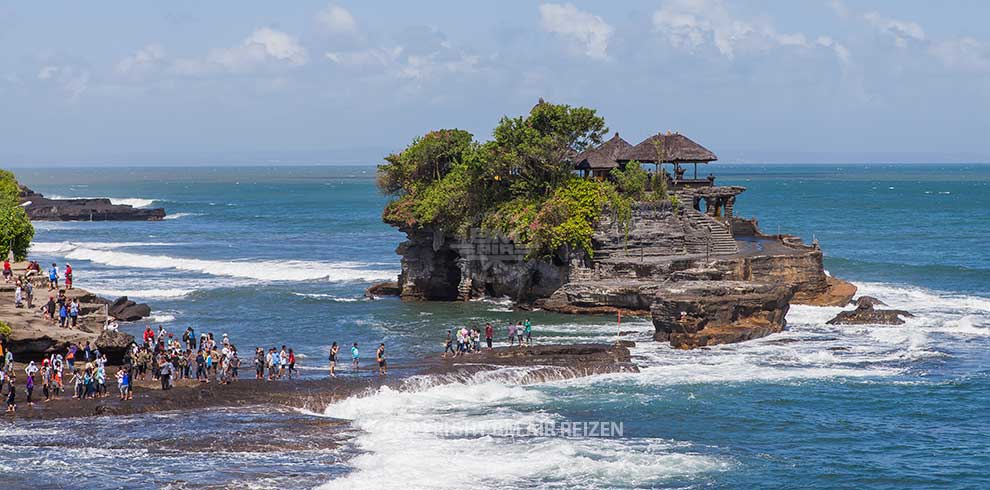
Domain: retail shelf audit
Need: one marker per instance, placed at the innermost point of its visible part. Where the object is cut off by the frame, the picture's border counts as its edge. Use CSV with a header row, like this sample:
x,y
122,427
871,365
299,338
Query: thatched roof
x,y
602,157
674,148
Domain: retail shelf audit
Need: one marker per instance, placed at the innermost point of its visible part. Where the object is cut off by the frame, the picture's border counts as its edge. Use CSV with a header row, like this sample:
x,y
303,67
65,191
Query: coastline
x,y
555,361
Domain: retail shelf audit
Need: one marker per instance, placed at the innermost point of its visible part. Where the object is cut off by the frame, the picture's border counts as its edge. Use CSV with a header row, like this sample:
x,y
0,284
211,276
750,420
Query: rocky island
x,y
41,208
552,216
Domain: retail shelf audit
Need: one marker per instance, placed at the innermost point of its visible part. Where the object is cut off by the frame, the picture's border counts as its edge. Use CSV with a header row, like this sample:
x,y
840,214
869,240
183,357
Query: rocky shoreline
x,y
34,337
548,362
41,208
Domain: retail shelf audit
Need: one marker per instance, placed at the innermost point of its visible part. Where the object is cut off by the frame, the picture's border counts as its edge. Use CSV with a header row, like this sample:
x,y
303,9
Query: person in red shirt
x,y
489,333
68,276
149,335
7,273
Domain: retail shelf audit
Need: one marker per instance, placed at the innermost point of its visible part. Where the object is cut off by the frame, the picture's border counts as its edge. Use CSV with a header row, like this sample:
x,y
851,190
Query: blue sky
x,y
319,82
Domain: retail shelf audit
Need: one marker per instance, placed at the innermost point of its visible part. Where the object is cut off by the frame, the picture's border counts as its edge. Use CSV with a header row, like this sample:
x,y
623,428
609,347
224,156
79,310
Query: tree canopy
x,y
16,232
520,183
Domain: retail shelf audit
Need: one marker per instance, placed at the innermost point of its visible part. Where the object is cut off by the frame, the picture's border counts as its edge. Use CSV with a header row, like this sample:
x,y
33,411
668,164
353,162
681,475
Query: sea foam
x,y
263,270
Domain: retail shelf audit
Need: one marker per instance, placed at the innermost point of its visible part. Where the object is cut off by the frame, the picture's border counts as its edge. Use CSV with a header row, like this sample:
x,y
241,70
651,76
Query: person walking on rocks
x,y
53,277
528,332
489,333
448,345
68,276
334,350
355,354
380,357
11,394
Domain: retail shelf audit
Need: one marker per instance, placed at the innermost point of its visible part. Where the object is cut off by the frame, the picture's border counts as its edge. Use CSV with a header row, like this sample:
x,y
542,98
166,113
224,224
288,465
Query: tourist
x,y
8,274
63,313
519,333
165,374
380,357
11,394
259,363
29,387
528,331
74,312
49,309
512,334
292,363
489,334
334,350
46,379
188,337
283,359
68,276
29,293
476,339
53,277
120,384
18,295
149,335
201,367
448,345
354,355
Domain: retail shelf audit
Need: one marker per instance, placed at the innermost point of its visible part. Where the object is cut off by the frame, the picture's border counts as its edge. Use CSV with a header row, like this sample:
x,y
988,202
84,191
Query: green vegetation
x,y
5,329
520,183
16,230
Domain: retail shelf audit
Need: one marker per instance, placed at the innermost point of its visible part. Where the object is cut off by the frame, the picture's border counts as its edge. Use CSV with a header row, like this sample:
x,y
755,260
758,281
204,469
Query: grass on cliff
x,y
521,183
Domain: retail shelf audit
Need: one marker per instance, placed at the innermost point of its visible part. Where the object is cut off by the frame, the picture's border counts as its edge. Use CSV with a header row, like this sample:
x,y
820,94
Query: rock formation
x,y
41,208
126,310
731,282
867,314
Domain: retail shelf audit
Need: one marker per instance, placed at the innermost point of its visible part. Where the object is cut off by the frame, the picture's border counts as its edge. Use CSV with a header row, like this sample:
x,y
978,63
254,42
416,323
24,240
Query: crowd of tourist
x,y
468,341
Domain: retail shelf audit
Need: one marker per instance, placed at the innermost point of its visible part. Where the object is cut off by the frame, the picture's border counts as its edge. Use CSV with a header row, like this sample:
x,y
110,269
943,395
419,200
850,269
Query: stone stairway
x,y
722,242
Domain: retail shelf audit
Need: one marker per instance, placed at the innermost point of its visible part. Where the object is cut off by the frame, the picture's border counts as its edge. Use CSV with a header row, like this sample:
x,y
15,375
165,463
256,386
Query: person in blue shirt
x,y
354,355
53,277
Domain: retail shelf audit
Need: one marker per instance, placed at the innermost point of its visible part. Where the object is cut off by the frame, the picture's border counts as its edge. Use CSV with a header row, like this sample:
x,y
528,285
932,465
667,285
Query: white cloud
x,y
145,59
694,23
367,57
265,46
900,30
587,29
963,53
71,79
337,19
841,51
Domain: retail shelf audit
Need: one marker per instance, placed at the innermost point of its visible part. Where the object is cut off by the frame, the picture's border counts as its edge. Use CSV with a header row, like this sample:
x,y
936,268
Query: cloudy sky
x,y
310,81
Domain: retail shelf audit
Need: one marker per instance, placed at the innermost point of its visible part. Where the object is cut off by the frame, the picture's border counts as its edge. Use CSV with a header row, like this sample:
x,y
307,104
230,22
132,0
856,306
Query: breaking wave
x,y
136,202
262,270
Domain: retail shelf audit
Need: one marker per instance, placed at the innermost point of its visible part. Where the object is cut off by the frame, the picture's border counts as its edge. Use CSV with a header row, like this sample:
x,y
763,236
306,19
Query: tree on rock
x,y
16,232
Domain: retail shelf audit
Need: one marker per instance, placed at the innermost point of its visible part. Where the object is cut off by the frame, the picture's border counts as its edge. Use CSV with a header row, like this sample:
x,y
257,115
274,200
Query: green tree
x,y
533,154
16,232
427,160
9,190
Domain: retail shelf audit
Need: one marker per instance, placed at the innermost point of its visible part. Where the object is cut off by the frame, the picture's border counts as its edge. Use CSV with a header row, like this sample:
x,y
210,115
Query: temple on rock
x,y
704,275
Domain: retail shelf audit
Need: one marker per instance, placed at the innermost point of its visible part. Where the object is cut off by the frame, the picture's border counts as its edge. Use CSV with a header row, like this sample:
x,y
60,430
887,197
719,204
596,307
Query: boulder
x,y
701,313
389,288
126,310
866,314
868,301
114,345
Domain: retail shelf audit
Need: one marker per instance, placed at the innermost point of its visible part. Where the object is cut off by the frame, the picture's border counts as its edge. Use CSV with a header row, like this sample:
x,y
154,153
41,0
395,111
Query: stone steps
x,y
722,242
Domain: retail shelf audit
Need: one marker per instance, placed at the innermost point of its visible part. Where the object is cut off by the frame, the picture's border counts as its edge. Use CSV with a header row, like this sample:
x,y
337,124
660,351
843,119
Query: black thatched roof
x,y
674,148
602,157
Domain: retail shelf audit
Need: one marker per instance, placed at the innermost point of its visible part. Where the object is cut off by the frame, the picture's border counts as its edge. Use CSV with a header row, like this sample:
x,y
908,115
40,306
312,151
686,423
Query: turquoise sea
x,y
281,255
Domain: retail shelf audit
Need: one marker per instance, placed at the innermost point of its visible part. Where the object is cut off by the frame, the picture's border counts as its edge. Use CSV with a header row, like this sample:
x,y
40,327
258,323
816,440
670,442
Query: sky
x,y
222,82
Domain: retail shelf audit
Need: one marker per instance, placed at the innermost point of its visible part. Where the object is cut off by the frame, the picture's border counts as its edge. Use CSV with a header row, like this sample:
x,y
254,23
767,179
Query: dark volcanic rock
x,y
41,208
700,313
126,310
866,314
868,302
114,344
390,288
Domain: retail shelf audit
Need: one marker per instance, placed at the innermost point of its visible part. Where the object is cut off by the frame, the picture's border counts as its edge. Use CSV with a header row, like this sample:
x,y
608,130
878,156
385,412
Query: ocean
x,y
282,255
